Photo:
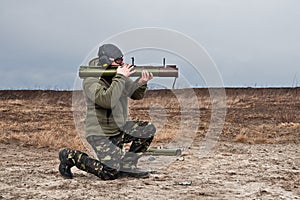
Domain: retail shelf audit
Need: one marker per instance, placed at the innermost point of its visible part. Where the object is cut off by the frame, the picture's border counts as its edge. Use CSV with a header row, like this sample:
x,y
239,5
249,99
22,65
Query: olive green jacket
x,y
107,104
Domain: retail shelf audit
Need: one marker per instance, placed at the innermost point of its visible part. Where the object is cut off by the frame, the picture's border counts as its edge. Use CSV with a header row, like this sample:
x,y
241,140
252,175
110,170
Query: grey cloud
x,y
250,41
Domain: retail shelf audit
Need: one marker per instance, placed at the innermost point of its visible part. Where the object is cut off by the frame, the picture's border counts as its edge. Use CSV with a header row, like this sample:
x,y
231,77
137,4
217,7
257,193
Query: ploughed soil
x,y
256,155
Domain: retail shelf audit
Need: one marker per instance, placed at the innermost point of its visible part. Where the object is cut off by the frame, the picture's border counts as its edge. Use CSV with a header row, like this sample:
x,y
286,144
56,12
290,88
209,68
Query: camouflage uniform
x,y
110,150
112,159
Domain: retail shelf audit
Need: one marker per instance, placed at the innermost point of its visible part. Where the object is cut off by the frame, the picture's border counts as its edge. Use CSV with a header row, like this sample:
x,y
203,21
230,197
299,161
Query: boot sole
x,y
133,175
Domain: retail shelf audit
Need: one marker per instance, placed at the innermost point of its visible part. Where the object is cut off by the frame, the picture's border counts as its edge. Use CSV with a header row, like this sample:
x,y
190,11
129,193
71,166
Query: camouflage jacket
x,y
107,104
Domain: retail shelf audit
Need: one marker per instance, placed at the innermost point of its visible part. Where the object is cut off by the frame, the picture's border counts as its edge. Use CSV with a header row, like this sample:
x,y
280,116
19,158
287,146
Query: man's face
x,y
117,62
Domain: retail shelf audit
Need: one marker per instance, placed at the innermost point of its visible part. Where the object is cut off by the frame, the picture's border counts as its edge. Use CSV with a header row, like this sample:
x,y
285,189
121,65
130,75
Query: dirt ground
x,y
257,155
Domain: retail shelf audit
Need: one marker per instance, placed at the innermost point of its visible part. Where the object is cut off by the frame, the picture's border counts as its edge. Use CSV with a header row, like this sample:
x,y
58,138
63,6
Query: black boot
x,y
135,173
66,162
129,166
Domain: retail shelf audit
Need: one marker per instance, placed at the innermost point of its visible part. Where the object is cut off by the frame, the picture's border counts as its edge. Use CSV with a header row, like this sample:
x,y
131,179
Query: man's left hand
x,y
145,77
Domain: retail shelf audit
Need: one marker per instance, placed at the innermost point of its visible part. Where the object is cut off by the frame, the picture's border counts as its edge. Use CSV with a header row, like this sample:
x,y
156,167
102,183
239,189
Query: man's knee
x,y
108,173
151,129
146,131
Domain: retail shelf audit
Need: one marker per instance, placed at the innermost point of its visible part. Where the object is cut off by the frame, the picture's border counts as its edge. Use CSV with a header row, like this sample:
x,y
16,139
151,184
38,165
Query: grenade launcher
x,y
158,71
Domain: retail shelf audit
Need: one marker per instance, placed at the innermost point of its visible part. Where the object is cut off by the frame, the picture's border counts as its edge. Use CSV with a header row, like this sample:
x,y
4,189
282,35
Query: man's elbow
x,y
137,97
105,105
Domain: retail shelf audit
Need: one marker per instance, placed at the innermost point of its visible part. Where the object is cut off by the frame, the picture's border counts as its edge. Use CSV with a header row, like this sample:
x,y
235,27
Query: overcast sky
x,y
252,42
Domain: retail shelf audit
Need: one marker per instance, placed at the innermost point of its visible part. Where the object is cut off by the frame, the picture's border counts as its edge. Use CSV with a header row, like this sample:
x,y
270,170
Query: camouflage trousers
x,y
111,156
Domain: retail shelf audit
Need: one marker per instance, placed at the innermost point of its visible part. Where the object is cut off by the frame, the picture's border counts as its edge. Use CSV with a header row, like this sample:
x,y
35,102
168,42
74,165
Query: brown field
x,y
257,154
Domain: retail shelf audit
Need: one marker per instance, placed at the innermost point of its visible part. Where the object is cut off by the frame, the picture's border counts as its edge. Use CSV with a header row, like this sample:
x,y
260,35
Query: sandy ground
x,y
257,156
231,171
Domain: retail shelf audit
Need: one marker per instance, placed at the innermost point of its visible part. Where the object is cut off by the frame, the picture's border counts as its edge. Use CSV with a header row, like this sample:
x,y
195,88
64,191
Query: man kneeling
x,y
107,125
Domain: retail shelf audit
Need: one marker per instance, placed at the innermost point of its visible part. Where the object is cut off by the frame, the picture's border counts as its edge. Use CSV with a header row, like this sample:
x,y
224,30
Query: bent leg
x,y
69,158
140,133
108,153
107,167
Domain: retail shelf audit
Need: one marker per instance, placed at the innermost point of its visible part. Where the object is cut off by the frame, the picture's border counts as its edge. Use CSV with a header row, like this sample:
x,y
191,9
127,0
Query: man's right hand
x,y
126,70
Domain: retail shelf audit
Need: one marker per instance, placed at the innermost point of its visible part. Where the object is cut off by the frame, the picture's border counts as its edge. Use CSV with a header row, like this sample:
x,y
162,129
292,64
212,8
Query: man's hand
x,y
145,77
126,70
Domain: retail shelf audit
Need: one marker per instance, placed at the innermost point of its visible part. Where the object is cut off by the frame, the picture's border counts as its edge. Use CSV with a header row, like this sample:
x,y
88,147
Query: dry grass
x,y
259,115
45,118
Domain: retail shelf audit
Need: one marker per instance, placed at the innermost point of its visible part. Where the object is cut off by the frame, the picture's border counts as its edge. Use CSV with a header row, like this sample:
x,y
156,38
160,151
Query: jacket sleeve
x,y
135,90
105,97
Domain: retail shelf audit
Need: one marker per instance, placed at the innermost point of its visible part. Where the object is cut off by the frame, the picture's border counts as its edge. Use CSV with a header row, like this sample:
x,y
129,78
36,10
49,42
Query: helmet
x,y
108,53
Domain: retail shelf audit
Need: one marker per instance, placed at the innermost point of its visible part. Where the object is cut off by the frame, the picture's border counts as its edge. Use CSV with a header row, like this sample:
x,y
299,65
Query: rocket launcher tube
x,y
165,152
157,71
